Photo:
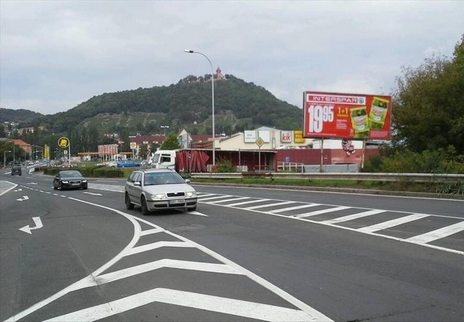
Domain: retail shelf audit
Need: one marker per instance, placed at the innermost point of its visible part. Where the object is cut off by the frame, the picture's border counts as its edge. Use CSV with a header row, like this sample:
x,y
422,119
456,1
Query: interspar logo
x,y
338,99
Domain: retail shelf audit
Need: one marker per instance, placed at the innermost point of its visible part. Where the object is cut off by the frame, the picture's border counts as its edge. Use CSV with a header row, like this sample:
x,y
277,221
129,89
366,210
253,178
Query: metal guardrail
x,y
362,176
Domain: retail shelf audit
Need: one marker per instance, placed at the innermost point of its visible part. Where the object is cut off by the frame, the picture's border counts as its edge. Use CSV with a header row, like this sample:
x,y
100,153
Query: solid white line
x,y
210,303
165,263
160,244
437,234
392,223
320,212
294,208
354,216
270,205
230,199
246,202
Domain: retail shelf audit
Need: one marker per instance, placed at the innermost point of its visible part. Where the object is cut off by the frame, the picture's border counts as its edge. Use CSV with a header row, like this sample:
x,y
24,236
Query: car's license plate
x,y
75,183
177,201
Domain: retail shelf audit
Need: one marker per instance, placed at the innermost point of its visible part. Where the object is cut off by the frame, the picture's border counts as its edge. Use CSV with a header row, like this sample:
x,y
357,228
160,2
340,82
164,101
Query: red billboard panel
x,y
354,116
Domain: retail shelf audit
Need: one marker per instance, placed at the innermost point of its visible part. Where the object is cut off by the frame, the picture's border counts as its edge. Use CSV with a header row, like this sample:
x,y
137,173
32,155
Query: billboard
x,y
343,116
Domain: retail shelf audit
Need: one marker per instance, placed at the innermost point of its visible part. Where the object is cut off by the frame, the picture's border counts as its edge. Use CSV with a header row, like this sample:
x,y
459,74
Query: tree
x,y
143,151
428,105
170,143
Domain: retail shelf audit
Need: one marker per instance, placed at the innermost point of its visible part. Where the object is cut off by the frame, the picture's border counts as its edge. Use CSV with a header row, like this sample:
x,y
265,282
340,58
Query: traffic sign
x,y
259,142
63,142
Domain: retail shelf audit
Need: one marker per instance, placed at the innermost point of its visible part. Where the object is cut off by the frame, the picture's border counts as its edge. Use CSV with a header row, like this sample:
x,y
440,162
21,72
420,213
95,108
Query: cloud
x,y
56,54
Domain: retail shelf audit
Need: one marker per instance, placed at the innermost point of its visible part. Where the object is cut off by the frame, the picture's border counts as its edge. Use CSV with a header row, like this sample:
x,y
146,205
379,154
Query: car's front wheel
x,y
129,204
192,208
144,205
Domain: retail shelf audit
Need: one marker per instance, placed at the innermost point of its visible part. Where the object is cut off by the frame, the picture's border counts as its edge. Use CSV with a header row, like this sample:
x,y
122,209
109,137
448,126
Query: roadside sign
x,y
63,142
133,145
259,142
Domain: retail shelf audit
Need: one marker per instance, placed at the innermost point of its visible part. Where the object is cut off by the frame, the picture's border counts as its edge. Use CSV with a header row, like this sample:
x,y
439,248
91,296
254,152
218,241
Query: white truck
x,y
180,160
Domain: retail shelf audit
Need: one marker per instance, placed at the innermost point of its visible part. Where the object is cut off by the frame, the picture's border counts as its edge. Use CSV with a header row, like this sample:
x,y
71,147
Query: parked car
x,y
112,164
159,189
128,164
16,169
69,179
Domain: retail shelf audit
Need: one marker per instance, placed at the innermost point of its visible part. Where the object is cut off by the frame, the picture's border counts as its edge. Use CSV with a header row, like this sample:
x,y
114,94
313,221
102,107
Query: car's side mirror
x,y
137,183
187,180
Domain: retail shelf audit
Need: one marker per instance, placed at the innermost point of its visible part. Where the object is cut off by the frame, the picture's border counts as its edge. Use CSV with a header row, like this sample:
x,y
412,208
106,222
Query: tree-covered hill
x,y
238,106
17,116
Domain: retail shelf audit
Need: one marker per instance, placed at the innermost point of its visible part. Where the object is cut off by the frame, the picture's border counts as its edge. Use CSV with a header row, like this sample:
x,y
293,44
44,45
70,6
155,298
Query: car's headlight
x,y
84,181
191,194
158,196
65,181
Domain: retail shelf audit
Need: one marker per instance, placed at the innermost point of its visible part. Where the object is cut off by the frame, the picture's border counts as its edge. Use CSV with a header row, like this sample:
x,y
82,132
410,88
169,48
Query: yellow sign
x,y
63,142
259,142
298,137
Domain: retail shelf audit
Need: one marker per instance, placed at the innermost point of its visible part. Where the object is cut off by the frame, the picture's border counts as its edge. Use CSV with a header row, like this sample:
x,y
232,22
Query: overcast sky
x,y
57,54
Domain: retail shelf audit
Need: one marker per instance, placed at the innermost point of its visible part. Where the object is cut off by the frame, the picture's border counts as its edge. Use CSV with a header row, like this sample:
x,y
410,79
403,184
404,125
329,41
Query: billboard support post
x,y
362,155
321,168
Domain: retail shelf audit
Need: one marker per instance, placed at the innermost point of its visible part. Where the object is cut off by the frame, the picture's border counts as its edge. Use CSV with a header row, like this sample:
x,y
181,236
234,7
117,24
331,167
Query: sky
x,y
56,54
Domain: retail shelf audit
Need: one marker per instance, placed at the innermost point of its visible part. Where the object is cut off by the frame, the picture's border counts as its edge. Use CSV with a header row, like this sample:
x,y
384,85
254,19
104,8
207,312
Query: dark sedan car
x,y
69,179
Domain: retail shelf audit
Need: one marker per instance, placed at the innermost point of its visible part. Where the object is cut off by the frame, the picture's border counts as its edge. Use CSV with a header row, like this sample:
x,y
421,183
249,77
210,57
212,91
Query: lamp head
x,y
189,51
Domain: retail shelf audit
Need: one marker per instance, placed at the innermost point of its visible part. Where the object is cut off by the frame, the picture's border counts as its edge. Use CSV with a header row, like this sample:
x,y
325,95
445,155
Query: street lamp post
x,y
4,158
164,127
189,51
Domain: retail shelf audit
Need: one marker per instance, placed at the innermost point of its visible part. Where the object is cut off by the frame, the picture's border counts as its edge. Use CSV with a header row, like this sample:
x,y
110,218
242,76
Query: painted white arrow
x,y
93,194
24,198
38,224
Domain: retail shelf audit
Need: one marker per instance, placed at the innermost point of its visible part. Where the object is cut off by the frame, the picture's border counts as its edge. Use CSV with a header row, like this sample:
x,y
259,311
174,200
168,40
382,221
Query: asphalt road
x,y
247,254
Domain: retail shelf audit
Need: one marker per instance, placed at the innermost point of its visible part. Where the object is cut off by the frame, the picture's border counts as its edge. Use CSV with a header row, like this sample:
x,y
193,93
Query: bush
x,y
405,161
225,166
107,173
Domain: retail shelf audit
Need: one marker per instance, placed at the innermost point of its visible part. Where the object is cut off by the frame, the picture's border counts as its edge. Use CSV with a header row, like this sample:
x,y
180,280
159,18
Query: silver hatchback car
x,y
159,189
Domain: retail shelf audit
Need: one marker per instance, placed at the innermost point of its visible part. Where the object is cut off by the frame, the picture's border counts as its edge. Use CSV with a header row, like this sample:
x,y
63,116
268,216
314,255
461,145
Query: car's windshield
x,y
162,178
71,174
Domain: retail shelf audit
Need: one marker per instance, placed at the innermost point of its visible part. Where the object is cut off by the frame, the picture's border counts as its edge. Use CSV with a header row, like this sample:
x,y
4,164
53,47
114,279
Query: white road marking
x,y
354,216
215,197
197,213
160,244
392,223
193,300
295,208
270,205
24,198
93,193
163,263
38,225
151,231
247,202
438,233
320,212
198,301
227,200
